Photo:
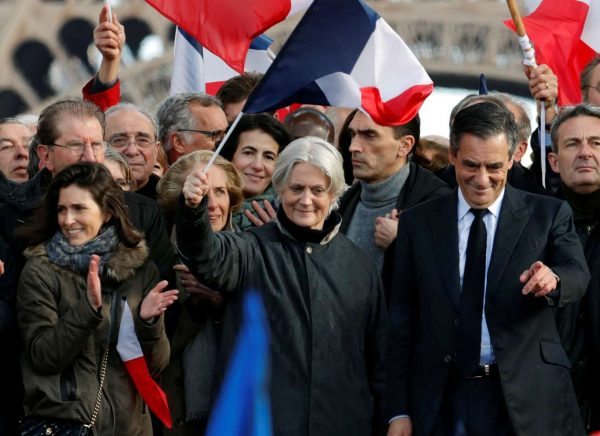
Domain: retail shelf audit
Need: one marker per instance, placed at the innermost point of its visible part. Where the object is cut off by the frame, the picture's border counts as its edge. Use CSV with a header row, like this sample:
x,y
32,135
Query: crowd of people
x,y
426,286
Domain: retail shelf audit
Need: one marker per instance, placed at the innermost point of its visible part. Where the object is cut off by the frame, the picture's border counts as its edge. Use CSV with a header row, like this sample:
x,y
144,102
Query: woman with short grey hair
x,y
315,151
322,295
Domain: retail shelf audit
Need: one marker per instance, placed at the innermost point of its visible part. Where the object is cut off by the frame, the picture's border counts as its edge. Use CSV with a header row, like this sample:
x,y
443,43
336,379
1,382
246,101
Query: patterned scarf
x,y
77,257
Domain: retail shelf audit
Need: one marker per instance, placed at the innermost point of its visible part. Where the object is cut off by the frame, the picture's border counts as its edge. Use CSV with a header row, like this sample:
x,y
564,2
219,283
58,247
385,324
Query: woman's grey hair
x,y
315,151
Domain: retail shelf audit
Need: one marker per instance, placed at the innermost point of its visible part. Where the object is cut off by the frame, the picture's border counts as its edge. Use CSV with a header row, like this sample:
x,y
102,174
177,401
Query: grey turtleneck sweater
x,y
376,199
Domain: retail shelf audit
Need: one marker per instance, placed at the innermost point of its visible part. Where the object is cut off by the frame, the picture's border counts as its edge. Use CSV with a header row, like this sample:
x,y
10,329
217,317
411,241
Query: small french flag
x,y
131,354
196,69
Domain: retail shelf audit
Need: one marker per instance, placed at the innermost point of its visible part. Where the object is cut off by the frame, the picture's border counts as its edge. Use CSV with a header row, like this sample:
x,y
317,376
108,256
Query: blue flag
x,y
243,406
483,89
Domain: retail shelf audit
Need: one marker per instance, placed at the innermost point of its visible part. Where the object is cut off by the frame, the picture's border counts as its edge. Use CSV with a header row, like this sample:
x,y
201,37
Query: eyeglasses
x,y
78,147
213,135
121,142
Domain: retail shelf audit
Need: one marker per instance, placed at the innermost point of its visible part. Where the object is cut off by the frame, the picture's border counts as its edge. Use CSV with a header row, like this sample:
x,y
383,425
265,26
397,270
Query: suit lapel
x,y
444,231
514,215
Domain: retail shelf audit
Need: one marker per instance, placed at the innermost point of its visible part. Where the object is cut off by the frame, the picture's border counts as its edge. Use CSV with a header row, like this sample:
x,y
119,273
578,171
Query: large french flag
x,y
196,69
342,53
131,354
227,27
566,37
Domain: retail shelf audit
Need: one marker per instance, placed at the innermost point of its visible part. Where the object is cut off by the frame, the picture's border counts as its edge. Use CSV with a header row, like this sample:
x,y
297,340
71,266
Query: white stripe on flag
x,y
128,345
187,67
383,53
340,89
591,29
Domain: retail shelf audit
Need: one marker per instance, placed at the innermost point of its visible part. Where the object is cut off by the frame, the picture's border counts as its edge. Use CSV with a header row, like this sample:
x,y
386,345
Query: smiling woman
x,y
86,263
253,148
322,293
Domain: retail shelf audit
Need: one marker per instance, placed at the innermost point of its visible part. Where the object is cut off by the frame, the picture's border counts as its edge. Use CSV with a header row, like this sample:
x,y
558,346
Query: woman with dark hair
x,y
86,267
253,148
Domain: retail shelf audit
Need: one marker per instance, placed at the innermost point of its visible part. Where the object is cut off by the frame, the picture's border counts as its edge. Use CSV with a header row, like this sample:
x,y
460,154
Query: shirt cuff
x,y
397,417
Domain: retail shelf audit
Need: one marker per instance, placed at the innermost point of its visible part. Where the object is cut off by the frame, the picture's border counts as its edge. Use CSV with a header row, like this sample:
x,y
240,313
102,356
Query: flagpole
x,y
529,60
222,144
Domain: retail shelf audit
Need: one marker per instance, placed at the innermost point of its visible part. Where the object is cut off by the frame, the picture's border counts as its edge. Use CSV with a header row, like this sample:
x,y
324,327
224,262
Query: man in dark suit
x,y
576,159
474,348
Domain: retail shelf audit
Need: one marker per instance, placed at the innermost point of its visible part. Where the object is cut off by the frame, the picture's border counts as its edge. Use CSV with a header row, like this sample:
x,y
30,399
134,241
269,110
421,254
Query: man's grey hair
x,y
315,151
581,110
134,108
174,114
12,120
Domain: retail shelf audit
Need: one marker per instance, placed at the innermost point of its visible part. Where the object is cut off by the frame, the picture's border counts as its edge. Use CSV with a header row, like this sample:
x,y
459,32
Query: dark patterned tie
x,y
468,344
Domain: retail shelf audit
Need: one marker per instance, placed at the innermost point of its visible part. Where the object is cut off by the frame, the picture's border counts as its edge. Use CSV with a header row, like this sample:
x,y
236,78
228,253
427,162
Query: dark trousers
x,y
473,407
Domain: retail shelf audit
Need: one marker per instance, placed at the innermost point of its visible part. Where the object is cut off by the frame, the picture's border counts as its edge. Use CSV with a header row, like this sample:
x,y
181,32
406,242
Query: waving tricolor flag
x,y
342,53
196,69
566,37
131,354
227,27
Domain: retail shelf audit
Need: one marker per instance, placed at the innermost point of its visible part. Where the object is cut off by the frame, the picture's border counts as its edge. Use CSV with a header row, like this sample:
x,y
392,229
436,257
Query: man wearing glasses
x,y
189,122
71,131
14,149
133,133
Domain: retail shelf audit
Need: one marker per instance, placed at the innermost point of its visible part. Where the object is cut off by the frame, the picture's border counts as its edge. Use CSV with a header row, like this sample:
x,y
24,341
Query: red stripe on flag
x,y
397,111
555,29
223,26
152,394
213,87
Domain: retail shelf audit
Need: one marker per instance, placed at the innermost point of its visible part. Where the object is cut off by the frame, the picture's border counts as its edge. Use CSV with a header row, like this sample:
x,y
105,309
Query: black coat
x,y
420,186
579,324
326,314
533,366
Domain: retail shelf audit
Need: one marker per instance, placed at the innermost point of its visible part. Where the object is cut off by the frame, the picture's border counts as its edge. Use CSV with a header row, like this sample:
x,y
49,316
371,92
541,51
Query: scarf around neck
x,y
77,257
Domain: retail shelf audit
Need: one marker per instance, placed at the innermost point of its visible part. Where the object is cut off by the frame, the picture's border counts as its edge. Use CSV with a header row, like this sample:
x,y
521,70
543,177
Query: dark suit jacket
x,y
534,368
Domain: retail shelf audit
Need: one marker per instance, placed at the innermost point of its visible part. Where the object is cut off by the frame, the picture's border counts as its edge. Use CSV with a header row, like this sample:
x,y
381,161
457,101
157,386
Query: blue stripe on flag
x,y
307,56
261,42
193,42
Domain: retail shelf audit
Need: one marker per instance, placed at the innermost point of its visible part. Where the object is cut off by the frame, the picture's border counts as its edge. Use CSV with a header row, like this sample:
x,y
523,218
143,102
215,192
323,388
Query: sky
x,y
435,112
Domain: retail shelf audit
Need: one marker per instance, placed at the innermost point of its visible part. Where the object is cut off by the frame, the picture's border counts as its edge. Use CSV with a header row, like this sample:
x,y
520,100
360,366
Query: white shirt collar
x,y
463,206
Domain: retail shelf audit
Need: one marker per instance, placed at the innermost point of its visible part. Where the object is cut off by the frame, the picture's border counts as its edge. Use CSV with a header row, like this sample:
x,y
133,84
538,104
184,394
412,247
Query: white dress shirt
x,y
465,219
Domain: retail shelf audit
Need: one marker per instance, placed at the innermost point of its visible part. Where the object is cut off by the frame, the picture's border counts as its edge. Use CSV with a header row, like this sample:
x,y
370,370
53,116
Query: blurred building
x,y
46,47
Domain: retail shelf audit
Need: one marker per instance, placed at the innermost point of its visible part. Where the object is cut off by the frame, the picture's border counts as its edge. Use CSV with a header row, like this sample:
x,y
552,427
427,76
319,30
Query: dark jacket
x,y
421,185
579,323
10,368
326,313
64,340
21,200
533,366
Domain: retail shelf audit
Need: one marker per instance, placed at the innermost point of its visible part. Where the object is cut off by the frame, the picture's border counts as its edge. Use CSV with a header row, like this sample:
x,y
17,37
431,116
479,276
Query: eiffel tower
x,y
46,47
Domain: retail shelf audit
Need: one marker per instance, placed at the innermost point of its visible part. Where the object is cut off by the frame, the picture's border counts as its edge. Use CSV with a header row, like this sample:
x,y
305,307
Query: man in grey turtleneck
x,y
387,182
